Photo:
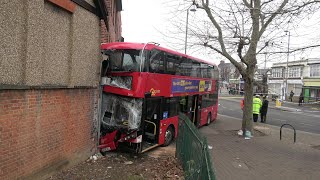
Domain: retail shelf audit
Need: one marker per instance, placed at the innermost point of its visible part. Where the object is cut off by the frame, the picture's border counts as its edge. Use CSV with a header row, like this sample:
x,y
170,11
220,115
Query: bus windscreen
x,y
121,112
128,60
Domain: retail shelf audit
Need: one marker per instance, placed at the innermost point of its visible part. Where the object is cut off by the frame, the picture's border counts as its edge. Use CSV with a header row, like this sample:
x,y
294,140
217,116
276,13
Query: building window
x,y
277,72
294,72
314,70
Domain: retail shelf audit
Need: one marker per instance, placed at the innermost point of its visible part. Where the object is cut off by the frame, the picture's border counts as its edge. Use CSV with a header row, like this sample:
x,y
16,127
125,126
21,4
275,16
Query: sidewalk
x,y
307,107
264,156
285,106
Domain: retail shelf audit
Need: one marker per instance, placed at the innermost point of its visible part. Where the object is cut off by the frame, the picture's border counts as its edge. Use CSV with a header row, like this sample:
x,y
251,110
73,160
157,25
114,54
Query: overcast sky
x,y
147,20
141,19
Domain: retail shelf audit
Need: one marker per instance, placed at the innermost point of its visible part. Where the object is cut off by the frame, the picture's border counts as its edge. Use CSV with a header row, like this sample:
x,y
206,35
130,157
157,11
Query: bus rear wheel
x,y
209,119
168,136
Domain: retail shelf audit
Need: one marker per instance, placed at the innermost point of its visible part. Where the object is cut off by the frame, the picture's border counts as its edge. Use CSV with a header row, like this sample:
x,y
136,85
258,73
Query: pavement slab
x,y
262,157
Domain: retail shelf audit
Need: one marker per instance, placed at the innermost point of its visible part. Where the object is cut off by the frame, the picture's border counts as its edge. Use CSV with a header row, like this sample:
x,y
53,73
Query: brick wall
x,y
114,23
42,131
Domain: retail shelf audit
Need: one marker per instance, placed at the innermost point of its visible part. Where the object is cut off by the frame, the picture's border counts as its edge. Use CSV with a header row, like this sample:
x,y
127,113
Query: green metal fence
x,y
192,151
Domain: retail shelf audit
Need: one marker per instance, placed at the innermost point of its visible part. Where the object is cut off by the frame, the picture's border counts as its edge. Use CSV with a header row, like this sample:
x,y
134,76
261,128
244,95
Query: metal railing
x,y
294,131
192,151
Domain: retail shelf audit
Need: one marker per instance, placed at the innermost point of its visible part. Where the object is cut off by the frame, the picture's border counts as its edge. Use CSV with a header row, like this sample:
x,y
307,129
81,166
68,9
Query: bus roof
x,y
130,45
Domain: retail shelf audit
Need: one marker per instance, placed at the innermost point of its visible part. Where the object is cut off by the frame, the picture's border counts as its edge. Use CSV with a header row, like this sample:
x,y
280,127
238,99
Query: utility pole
x,y
265,61
187,22
287,68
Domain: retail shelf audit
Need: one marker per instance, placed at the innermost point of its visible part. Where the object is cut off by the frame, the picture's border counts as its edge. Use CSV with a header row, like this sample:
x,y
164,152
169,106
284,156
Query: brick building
x,y
49,74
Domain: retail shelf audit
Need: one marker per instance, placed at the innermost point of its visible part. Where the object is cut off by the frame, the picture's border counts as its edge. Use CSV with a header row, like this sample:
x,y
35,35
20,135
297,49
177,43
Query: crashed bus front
x,y
121,121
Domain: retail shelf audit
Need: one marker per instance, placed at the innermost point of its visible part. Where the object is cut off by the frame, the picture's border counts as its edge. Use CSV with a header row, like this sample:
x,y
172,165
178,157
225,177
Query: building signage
x,y
185,85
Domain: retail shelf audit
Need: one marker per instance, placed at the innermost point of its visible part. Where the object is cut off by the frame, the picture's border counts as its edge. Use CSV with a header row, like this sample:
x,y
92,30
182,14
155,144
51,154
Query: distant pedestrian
x,y
291,95
264,109
241,92
256,105
301,99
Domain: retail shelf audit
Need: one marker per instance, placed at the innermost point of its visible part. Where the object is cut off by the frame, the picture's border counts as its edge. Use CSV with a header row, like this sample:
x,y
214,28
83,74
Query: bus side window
x,y
196,71
205,100
204,70
215,72
156,62
213,98
173,64
185,67
170,107
211,73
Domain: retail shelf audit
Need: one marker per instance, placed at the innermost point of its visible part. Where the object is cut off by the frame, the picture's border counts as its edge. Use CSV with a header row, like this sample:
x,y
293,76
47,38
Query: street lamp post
x,y
187,22
287,67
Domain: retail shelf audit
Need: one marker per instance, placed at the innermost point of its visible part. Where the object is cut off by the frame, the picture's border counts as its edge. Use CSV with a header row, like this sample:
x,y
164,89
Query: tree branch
x,y
233,61
247,4
264,27
302,6
298,49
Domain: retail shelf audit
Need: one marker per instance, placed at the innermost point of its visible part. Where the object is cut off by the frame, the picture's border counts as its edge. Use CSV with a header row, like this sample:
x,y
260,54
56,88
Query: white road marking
x,y
280,119
222,106
306,124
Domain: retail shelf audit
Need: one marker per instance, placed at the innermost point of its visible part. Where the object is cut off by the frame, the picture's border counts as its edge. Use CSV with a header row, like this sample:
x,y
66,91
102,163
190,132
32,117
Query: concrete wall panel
x,y
57,45
34,49
12,41
44,45
86,56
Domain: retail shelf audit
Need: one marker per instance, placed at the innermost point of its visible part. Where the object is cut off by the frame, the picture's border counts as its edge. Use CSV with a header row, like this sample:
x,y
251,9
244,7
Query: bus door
x,y
152,120
193,105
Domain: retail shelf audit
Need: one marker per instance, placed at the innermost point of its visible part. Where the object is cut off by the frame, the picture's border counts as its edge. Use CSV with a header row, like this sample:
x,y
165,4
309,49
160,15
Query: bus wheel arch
x,y
169,135
209,118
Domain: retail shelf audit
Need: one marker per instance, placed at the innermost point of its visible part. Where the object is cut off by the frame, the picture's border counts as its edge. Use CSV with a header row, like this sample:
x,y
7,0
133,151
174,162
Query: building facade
x,y
300,77
311,81
49,75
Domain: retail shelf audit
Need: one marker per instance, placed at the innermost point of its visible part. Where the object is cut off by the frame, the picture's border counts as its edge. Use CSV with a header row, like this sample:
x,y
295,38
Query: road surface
x,y
307,121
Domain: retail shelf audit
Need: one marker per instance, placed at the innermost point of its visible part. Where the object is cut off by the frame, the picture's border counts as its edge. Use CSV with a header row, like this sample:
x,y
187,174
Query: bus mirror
x,y
155,116
147,95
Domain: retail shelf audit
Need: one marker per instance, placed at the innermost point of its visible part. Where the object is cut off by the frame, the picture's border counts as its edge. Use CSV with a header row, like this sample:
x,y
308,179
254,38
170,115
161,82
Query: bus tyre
x,y
103,153
138,148
168,136
209,119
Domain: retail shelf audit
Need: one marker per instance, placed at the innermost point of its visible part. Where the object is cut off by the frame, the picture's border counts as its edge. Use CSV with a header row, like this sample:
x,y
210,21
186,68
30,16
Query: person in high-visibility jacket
x,y
256,106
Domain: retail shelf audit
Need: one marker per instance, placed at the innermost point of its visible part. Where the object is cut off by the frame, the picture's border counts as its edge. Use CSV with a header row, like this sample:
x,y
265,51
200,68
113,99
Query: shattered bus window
x,y
121,112
122,82
126,60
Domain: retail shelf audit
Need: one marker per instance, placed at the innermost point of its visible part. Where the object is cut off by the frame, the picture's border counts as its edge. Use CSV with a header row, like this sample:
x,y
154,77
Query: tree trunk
x,y
248,99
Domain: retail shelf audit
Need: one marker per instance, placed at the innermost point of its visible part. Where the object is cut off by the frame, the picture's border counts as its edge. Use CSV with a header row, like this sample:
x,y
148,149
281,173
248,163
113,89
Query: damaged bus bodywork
x,y
145,86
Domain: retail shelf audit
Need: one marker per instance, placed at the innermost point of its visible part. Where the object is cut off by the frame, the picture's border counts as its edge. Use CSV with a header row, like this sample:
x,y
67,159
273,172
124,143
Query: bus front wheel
x,y
103,153
168,136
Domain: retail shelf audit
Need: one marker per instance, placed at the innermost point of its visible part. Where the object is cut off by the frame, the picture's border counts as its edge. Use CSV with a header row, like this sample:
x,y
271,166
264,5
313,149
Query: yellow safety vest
x,y
257,103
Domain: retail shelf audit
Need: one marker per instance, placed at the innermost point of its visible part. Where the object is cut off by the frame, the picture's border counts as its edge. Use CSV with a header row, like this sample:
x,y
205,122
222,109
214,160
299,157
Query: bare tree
x,y
240,30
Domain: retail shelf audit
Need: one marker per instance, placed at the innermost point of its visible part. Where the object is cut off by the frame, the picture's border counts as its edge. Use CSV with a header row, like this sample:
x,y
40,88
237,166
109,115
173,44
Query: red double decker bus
x,y
145,86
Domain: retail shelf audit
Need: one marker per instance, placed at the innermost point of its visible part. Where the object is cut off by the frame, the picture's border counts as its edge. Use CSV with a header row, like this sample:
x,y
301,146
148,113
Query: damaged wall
x,y
49,72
